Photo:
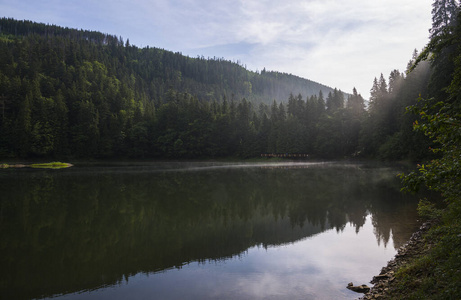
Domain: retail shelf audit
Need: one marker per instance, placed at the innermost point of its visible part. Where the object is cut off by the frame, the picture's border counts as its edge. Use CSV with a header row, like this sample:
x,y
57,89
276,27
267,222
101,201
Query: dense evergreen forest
x,y
434,274
67,93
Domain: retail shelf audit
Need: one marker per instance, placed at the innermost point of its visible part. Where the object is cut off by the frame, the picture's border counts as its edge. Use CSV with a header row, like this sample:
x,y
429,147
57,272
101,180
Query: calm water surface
x,y
199,230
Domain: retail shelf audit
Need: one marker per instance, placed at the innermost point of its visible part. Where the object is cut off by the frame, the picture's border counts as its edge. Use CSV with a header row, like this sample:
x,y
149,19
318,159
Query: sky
x,y
339,43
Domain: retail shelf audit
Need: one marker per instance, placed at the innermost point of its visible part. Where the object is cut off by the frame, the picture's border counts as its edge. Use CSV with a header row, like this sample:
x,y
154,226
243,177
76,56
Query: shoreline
x,y
385,282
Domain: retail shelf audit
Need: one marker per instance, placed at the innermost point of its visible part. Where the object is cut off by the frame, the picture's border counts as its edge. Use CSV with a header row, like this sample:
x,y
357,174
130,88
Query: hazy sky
x,y
340,43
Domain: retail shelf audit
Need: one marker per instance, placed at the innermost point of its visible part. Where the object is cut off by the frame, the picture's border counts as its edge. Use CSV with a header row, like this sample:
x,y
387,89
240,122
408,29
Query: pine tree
x,y
395,80
382,86
444,13
374,93
355,103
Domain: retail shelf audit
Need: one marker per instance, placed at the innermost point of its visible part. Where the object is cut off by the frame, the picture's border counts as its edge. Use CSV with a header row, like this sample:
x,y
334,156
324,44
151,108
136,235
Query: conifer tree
x,y
444,13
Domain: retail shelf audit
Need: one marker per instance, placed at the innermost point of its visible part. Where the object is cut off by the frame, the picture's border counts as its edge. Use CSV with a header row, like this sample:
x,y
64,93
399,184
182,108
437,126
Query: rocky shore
x,y
385,282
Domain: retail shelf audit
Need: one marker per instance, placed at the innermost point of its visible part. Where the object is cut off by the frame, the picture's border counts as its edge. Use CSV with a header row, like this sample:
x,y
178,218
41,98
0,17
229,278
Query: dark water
x,y
199,230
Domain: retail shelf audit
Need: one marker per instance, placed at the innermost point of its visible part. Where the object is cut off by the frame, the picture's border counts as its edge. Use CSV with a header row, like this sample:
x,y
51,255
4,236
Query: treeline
x,y
75,93
436,272
388,129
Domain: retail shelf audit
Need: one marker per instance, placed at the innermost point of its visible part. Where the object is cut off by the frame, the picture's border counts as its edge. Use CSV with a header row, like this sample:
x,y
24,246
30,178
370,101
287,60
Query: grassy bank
x,y
429,268
436,273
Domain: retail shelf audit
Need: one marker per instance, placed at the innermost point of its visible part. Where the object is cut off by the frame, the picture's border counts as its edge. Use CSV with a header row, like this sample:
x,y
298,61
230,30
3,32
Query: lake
x,y
199,230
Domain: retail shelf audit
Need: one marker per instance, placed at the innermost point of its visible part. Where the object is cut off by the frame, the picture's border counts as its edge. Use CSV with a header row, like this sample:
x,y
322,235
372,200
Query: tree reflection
x,y
78,230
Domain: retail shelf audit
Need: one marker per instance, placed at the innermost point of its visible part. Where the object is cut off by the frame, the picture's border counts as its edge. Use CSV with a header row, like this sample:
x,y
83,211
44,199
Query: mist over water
x,y
199,230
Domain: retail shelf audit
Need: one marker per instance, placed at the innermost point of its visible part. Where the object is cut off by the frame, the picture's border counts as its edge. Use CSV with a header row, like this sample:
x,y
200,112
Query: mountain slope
x,y
208,79
75,93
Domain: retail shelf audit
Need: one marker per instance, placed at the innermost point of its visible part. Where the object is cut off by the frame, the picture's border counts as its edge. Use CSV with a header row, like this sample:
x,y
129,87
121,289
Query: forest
x,y
434,274
67,93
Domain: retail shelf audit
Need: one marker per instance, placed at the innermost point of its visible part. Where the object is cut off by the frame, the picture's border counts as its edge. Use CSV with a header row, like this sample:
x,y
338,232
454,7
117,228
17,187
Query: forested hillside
x,y
74,93
88,94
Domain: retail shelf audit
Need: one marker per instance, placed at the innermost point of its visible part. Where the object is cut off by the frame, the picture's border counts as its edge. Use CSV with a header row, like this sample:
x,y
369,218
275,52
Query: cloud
x,y
348,42
339,43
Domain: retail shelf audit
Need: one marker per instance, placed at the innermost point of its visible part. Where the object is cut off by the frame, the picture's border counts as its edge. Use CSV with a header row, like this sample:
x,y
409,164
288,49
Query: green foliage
x,y
436,273
442,174
428,210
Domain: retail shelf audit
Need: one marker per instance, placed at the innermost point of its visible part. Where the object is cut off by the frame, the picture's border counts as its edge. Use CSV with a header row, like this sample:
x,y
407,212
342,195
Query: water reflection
x,y
89,227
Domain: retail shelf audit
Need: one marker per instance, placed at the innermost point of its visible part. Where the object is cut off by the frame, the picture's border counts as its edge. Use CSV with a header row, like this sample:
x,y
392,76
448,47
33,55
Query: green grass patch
x,y
51,165
437,273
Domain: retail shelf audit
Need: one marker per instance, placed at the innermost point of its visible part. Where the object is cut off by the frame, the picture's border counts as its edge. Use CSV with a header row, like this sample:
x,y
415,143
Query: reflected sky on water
x,y
317,267
199,230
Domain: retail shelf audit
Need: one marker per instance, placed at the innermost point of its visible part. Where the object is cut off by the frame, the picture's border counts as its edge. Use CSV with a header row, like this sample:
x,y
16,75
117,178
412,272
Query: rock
x,y
381,277
359,288
384,282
